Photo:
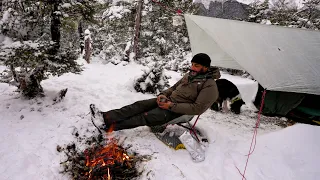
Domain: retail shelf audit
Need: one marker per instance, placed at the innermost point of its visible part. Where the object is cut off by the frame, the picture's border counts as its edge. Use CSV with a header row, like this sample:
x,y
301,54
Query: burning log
x,y
107,161
100,161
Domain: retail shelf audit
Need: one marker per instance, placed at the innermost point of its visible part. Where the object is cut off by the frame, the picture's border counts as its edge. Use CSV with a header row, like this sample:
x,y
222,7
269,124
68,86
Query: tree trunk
x,y
81,35
87,49
14,74
137,28
55,25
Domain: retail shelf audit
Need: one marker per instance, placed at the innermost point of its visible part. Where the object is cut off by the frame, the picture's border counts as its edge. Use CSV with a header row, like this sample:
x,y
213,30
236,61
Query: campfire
x,y
100,161
107,162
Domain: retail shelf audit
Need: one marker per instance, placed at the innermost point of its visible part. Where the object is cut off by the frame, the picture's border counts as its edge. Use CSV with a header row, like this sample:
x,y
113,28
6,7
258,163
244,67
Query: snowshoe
x,y
168,138
172,139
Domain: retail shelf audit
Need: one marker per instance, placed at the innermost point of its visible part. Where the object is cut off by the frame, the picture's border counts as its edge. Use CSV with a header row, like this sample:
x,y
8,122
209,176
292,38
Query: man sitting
x,y
191,95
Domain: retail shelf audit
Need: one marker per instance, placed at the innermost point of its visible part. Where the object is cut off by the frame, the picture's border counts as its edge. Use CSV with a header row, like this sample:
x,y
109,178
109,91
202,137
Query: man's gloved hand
x,y
163,102
165,105
161,98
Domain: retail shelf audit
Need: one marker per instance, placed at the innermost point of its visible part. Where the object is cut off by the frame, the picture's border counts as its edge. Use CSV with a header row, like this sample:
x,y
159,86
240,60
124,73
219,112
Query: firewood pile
x,y
100,160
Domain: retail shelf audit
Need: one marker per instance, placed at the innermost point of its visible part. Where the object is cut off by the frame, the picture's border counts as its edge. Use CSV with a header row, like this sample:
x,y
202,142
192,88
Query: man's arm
x,y
207,96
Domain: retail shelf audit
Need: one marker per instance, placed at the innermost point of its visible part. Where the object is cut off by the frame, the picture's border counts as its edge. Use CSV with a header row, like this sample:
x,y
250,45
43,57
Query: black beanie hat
x,y
202,59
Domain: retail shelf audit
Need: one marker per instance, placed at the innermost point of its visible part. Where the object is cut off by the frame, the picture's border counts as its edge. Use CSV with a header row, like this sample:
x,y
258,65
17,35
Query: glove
x,y
165,105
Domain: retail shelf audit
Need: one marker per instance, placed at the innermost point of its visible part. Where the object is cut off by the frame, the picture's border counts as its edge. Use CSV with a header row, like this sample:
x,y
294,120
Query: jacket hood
x,y
213,73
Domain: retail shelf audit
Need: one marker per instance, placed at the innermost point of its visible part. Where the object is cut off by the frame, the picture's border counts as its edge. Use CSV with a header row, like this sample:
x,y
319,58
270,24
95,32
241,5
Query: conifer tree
x,y
35,48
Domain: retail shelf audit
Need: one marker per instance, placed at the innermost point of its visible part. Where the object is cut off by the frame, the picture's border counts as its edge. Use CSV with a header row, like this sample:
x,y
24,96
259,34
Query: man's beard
x,y
194,73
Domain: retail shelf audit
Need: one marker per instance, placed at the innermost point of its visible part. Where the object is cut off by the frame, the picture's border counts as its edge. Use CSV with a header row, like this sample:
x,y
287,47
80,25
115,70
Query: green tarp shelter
x,y
285,61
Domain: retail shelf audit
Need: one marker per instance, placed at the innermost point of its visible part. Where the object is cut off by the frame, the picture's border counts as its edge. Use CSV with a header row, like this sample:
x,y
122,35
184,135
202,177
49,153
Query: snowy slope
x,y
28,143
294,154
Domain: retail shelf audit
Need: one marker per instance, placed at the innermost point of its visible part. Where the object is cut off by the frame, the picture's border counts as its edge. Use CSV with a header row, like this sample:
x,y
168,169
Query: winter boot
x,y
96,117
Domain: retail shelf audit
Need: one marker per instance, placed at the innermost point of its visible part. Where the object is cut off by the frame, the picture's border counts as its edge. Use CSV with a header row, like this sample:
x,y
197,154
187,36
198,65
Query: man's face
x,y
197,68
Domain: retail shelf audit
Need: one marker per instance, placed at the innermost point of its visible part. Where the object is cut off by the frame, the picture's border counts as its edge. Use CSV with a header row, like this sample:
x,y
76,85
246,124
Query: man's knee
x,y
155,117
147,103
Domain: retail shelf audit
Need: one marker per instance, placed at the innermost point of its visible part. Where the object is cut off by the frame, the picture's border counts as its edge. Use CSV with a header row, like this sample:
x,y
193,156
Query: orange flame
x,y
105,157
110,130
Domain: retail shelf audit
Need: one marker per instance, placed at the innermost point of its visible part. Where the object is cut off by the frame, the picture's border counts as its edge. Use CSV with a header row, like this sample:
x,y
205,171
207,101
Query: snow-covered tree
x,y
180,64
153,81
78,16
283,4
34,48
113,36
309,15
259,11
164,36
285,13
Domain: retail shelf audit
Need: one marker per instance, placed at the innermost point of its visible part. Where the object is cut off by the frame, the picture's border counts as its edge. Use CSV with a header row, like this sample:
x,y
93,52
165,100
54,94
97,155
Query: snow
x,y
31,130
287,147
5,16
185,39
177,20
5,40
114,2
161,40
102,1
87,31
66,5
147,33
8,43
128,45
115,12
266,21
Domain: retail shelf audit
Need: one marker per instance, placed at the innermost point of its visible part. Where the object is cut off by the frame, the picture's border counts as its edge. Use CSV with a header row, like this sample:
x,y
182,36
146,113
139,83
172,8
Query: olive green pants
x,y
140,113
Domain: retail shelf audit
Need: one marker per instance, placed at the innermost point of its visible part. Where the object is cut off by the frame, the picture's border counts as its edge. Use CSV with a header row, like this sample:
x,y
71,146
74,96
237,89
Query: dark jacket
x,y
194,95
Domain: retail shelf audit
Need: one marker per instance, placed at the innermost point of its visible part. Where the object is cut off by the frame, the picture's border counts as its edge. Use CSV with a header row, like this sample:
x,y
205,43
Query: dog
x,y
227,92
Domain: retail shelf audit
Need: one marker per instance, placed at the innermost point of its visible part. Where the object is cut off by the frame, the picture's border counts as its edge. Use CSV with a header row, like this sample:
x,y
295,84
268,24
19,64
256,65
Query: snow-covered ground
x,y
31,130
